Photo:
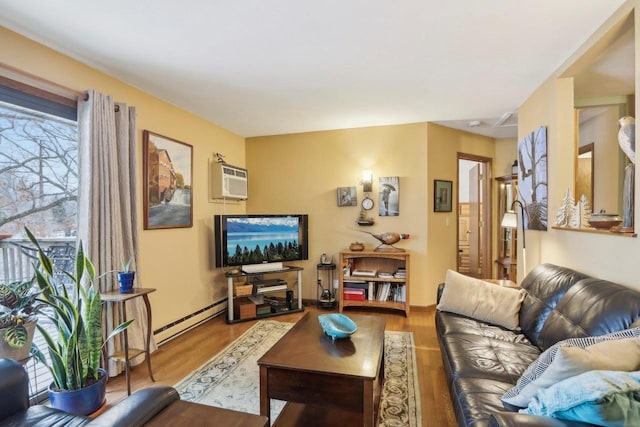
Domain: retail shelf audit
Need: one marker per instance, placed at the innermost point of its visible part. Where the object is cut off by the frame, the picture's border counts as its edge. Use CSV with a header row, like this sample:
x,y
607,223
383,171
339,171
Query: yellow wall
x,y
444,146
300,173
506,151
176,261
607,256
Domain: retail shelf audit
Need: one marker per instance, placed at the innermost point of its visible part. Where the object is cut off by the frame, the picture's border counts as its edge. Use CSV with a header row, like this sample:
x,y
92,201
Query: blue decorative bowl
x,y
337,325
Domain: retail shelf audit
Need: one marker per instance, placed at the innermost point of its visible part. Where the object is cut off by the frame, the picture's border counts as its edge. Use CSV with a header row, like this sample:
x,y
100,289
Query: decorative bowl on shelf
x,y
356,246
604,221
337,325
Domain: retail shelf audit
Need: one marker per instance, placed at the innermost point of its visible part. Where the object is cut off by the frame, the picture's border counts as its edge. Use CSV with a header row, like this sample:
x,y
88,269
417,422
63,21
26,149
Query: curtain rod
x,y
25,77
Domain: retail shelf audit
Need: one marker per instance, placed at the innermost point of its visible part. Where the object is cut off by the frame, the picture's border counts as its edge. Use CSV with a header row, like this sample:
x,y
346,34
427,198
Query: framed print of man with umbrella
x,y
389,196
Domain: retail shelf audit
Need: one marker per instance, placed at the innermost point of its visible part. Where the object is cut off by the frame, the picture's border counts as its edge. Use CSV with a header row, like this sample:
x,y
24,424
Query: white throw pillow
x,y
481,300
618,351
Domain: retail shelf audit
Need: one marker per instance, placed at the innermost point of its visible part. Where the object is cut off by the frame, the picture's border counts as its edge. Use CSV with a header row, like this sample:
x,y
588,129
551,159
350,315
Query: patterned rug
x,y
231,378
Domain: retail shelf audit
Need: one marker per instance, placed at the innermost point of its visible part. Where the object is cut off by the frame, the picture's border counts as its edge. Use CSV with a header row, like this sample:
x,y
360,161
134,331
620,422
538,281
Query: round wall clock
x,y
367,203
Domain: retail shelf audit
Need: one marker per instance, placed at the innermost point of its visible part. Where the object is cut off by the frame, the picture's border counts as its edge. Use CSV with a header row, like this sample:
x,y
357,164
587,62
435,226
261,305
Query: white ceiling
x,y
260,67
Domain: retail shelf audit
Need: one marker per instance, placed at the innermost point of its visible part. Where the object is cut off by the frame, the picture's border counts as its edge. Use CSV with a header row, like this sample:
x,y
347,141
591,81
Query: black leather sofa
x,y
135,410
483,361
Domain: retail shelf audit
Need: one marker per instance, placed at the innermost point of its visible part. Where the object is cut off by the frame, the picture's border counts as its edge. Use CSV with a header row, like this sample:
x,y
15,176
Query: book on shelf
x,y
371,291
401,273
385,275
383,291
366,273
354,283
354,297
355,294
403,294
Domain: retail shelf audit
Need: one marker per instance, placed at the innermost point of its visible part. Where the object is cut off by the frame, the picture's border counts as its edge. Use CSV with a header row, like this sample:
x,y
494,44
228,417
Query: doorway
x,y
474,216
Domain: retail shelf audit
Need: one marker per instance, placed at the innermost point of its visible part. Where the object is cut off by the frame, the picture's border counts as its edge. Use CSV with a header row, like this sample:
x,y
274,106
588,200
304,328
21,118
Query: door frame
x,y
487,197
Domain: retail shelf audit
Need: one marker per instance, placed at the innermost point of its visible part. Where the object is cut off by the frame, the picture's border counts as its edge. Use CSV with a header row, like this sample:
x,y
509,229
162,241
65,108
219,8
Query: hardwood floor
x,y
179,357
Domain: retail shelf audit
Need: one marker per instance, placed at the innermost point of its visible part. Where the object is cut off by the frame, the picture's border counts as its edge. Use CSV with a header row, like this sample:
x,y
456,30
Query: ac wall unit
x,y
227,182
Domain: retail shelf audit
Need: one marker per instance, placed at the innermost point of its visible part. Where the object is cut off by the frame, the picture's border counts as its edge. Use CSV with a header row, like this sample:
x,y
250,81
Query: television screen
x,y
256,239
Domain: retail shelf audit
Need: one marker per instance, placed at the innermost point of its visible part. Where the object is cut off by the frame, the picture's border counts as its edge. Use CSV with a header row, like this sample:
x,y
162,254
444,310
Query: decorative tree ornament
x,y
563,216
585,211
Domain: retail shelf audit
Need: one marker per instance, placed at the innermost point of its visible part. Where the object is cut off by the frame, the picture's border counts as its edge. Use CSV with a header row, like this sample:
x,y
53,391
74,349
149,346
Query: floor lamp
x,y
510,220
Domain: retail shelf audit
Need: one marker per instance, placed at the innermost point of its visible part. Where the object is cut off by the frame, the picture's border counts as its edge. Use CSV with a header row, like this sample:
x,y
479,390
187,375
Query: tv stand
x,y
231,298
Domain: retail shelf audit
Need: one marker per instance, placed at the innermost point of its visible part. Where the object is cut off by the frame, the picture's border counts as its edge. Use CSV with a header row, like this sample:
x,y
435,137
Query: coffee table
x,y
325,381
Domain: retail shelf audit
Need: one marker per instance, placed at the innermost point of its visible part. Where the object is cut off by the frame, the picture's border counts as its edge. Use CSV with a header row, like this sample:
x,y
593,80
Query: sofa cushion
x,y
450,323
612,307
546,284
480,300
484,357
604,398
557,363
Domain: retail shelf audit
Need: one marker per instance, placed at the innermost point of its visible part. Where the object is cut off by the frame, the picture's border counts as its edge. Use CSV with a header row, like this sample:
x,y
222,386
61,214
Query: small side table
x,y
117,297
324,278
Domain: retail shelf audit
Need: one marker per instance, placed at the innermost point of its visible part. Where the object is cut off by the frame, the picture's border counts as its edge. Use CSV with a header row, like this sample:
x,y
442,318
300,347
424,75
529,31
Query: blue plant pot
x,y
126,282
80,402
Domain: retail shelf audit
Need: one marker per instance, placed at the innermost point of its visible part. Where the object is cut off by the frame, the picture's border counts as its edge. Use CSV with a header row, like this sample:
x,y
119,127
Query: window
x,y
38,188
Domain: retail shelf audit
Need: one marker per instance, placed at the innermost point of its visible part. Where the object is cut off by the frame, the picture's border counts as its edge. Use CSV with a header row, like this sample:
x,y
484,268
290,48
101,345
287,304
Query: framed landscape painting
x,y
167,179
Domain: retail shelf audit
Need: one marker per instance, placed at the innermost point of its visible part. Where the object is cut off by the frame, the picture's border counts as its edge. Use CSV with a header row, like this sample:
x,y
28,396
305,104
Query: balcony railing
x,y
17,259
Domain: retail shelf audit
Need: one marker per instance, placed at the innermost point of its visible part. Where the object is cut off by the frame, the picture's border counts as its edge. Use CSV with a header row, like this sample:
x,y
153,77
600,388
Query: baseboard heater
x,y
187,317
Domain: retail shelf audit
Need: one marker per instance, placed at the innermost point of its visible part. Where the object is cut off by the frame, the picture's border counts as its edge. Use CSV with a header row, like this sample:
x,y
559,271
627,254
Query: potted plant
x,y
79,384
125,277
18,310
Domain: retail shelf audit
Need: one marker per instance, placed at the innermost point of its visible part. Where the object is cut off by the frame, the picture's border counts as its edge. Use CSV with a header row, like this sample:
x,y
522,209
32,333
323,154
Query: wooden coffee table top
x,y
305,347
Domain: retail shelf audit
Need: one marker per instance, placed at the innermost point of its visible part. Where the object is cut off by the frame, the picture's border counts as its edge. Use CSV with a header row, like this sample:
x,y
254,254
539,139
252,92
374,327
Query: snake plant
x,y
76,351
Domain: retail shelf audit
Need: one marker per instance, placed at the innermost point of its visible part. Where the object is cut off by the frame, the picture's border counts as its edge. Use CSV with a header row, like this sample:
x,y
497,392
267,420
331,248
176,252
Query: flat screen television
x,y
256,239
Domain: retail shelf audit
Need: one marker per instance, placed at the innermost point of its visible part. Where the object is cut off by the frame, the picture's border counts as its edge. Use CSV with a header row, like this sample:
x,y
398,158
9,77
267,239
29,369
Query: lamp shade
x,y
509,220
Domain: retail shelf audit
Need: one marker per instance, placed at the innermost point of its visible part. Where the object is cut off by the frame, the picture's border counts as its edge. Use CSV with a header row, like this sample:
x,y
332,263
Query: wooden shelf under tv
x,y
378,261
231,297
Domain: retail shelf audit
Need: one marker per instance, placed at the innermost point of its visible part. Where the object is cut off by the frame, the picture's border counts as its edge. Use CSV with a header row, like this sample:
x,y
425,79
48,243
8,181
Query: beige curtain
x,y
107,223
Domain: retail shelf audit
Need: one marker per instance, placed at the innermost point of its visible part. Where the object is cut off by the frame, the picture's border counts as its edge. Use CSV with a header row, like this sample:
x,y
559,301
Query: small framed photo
x,y
442,195
167,178
347,196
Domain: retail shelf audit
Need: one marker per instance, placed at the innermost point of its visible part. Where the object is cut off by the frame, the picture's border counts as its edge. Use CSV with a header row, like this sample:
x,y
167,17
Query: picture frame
x,y
442,195
389,196
347,196
167,182
533,179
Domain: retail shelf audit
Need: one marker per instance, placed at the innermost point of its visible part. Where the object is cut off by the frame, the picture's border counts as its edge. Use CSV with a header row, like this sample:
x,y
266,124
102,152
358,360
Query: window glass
x,y
38,189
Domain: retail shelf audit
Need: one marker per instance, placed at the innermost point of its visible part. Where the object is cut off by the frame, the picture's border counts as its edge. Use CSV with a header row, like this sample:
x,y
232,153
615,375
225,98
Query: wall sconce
x,y
367,181
510,220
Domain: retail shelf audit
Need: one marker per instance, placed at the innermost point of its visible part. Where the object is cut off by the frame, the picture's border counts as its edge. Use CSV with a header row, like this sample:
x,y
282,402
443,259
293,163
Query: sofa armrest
x,y
515,419
440,290
138,408
14,388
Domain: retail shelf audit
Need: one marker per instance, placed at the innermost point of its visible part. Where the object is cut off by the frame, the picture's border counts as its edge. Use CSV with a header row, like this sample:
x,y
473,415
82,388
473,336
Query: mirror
x,y
584,171
600,162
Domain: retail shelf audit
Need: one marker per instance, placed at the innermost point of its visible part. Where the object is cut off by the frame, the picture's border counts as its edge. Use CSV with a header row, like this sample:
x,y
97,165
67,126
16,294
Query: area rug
x,y
231,378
